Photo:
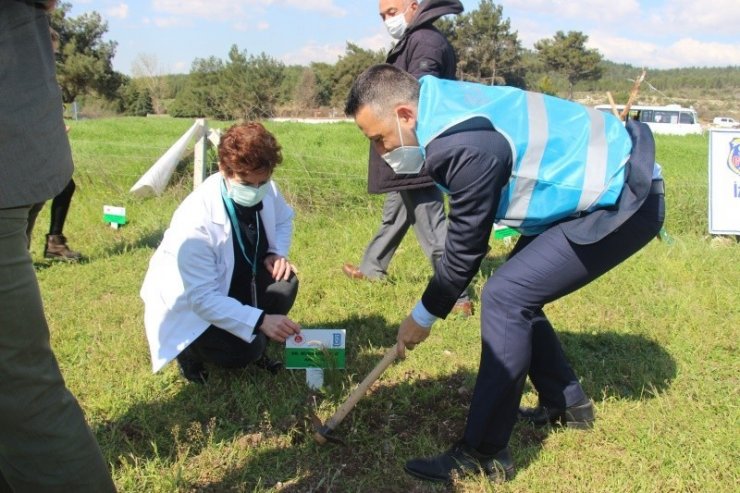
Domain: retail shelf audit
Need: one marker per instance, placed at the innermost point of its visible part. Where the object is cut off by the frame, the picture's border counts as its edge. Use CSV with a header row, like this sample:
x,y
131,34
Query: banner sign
x,y
724,181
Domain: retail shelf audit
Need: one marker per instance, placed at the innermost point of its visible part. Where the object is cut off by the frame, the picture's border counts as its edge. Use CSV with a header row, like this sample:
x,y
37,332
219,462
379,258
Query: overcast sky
x,y
655,34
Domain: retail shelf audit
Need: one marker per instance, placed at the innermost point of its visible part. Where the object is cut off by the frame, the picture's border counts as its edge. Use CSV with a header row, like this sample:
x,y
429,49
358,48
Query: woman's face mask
x,y
404,160
247,195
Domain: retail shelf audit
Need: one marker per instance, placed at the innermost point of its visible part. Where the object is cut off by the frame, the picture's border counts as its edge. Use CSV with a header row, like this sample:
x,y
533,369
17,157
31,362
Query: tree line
x,y
247,85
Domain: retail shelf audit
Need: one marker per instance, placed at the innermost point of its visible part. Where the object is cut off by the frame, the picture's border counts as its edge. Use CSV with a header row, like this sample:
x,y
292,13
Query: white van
x,y
670,119
726,122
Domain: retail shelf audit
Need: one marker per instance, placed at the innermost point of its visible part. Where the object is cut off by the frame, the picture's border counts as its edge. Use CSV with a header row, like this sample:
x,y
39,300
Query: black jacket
x,y
422,50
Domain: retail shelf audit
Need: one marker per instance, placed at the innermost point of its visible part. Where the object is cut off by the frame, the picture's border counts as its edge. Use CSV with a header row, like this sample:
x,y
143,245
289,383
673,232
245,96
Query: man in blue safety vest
x,y
584,192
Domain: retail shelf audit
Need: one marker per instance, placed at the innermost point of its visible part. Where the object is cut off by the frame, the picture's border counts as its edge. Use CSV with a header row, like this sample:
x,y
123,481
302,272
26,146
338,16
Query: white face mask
x,y
247,195
397,24
404,160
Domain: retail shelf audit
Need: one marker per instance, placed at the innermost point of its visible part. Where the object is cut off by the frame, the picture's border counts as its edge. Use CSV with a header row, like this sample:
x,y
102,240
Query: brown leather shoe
x,y
353,272
57,248
463,308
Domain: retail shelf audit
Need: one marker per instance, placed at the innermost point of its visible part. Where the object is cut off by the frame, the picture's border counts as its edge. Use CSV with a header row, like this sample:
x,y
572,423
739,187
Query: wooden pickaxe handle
x,y
356,395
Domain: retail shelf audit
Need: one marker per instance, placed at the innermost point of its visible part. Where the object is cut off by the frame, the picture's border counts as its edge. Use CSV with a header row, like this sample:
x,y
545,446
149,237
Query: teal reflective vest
x,y
567,158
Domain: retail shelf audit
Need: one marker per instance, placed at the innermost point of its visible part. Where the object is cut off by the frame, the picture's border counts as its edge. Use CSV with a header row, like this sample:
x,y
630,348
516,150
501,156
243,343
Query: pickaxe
x,y
324,432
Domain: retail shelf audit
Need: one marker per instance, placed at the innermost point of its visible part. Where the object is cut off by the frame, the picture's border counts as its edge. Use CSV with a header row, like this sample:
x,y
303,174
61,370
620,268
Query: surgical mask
x,y
397,24
247,195
404,160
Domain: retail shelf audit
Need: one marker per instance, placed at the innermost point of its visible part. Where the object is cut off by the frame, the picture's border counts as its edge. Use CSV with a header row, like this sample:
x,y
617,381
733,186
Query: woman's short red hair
x,y
248,147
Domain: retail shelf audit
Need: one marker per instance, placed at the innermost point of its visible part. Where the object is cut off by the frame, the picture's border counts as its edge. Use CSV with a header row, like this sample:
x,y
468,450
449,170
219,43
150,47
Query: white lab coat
x,y
186,287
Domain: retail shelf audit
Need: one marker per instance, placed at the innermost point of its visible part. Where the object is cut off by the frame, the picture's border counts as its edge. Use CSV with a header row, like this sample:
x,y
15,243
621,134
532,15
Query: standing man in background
x,y
411,198
45,444
56,243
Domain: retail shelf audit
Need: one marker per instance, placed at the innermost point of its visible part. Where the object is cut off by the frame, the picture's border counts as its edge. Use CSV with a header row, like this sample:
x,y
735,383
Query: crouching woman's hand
x,y
279,267
279,327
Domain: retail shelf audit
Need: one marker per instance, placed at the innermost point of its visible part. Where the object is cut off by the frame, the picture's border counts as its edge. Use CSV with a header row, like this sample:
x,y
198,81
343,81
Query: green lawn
x,y
654,341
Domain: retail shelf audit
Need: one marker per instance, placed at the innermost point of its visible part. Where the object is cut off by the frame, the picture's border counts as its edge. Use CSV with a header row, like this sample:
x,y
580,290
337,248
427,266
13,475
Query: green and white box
x,y
316,348
501,232
114,215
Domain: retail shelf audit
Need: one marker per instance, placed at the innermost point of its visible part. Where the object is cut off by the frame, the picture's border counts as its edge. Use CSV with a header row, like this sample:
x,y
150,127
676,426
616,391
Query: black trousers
x,y
221,348
517,338
59,209
45,444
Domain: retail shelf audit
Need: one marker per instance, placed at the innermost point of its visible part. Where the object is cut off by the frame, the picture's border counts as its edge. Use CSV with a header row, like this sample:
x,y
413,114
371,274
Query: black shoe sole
x,y
62,257
423,476
508,475
578,425
561,421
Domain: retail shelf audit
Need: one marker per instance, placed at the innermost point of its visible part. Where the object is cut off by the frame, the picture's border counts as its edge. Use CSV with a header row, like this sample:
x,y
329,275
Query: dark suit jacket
x,y
474,162
596,225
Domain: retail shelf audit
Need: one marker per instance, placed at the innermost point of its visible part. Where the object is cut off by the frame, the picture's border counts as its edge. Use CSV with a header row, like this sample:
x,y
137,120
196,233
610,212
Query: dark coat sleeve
x,y
429,53
474,166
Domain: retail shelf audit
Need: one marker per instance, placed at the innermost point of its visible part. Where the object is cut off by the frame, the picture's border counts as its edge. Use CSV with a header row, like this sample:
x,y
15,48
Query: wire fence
x,y
309,181
89,159
326,184
295,167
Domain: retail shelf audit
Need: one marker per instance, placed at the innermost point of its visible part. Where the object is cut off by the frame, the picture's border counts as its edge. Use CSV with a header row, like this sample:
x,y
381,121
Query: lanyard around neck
x,y
237,230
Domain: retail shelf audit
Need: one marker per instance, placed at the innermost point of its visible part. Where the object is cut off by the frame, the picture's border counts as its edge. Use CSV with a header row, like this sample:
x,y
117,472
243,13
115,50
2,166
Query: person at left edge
x,y
220,284
46,445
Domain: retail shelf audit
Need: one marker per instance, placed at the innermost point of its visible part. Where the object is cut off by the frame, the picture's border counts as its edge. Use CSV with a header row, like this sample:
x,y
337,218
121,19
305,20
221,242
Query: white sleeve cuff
x,y
422,317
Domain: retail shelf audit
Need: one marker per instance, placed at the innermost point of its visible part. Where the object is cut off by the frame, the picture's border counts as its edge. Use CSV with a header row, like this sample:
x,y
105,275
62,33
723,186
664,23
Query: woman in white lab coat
x,y
220,283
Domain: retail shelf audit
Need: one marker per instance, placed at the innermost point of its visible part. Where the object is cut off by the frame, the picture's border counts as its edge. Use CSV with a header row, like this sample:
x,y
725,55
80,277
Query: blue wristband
x,y
422,317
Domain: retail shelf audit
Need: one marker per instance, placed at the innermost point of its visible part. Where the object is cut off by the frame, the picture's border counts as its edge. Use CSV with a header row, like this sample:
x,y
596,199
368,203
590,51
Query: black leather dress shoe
x,y
193,370
271,365
462,460
579,416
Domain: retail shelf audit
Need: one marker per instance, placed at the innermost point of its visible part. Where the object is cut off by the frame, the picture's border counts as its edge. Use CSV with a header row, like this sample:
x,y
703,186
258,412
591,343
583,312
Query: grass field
x,y
655,342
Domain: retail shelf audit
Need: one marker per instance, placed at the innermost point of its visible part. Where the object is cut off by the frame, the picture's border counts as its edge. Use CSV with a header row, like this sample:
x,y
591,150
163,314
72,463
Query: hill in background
x,y
711,91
